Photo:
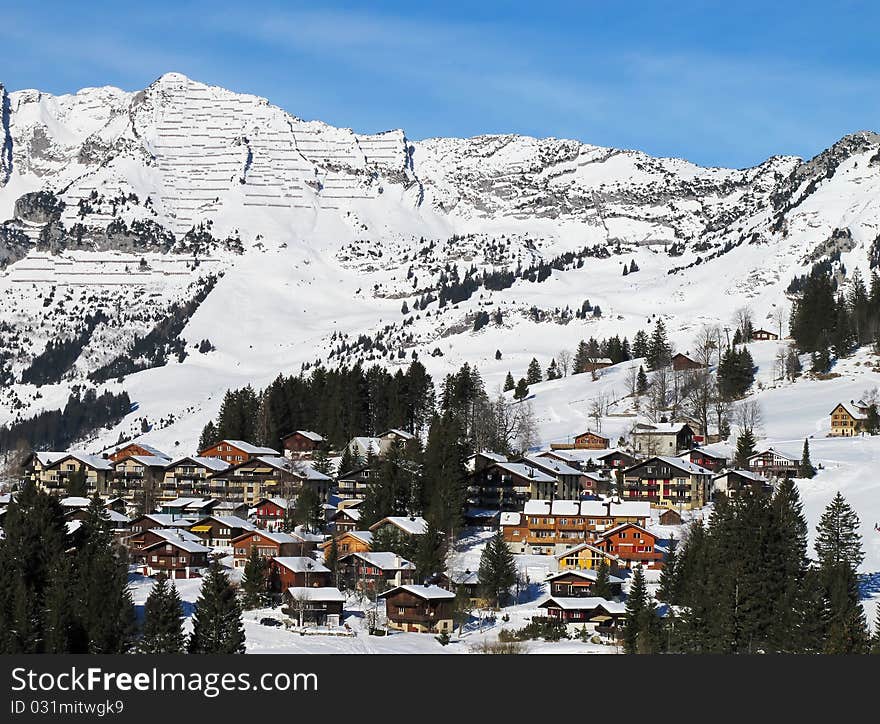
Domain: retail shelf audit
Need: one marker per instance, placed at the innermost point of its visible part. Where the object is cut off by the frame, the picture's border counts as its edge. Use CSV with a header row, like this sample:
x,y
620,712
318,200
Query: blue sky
x,y
719,83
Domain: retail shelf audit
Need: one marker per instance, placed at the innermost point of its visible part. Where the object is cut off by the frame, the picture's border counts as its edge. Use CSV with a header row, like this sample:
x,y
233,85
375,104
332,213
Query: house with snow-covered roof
x,y
137,448
236,451
577,582
667,482
265,476
52,471
269,544
732,482
188,476
662,438
419,609
412,525
849,418
301,443
297,571
379,570
507,486
774,463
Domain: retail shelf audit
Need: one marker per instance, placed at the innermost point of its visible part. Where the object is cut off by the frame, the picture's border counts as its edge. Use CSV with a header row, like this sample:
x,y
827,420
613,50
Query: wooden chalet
x,y
706,459
585,441
378,570
607,616
772,463
269,545
176,558
345,519
220,530
570,481
236,451
355,483
467,580
138,477
51,471
681,363
662,438
507,486
849,418
594,365
321,606
269,512
143,524
268,476
351,541
576,582
419,609
731,482
188,476
633,545
136,448
301,443
760,335
616,460
483,459
586,557
297,571
667,482
670,516
403,525
188,507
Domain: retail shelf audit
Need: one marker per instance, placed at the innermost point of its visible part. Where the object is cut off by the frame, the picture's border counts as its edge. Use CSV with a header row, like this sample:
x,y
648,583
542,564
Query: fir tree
x,y
445,480
837,535
76,484
208,437
668,580
309,511
533,375
872,420
875,641
640,345
552,371
430,552
636,604
217,624
163,620
641,381
331,560
254,581
321,462
846,629
522,389
659,350
806,469
745,448
602,586
509,384
497,572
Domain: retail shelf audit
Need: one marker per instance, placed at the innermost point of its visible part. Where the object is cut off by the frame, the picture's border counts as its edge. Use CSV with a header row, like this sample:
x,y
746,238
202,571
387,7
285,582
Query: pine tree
x,y
509,384
875,641
498,351
76,484
668,581
872,420
659,350
522,389
497,572
208,437
217,624
163,620
602,586
636,604
254,581
331,560
552,371
430,552
745,448
309,511
837,535
846,629
533,375
63,633
806,469
321,462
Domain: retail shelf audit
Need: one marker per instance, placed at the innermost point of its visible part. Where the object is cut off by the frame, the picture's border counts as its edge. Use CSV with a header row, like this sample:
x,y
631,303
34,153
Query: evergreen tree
x,y
76,484
602,586
533,375
522,389
668,580
745,448
309,510
846,628
872,420
552,371
321,462
430,552
641,381
254,581
163,620
331,560
217,624
837,535
63,630
875,641
509,384
208,437
806,469
659,349
497,572
640,345
636,604
445,480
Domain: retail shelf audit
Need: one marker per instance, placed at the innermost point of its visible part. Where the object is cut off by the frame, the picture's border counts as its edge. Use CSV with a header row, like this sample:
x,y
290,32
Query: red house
x,y
297,572
708,460
270,511
137,448
301,442
269,545
681,362
235,451
632,544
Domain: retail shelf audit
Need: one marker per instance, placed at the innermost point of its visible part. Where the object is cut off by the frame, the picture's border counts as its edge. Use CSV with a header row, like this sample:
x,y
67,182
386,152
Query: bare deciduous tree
x,y
779,317
706,345
743,320
563,360
747,416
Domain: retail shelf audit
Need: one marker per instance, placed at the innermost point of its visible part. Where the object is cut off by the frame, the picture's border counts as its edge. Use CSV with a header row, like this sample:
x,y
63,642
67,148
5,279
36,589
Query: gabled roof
x,y
95,462
400,433
308,434
588,574
301,564
852,409
510,518
296,468
215,464
150,461
686,466
280,502
584,546
383,560
48,457
591,432
166,520
367,443
189,503
554,467
659,428
526,471
187,545
428,593
493,456
153,452
704,453
617,528
748,474
589,508
75,502
230,521
352,513
247,447
413,525
773,451
582,603
315,593
275,537
176,535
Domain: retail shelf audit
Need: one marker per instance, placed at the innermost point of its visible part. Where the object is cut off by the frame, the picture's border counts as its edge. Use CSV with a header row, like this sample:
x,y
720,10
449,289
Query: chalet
x,y
570,482
236,451
321,606
176,558
265,476
51,471
270,512
760,335
506,486
141,525
365,447
662,438
594,365
269,545
345,519
378,570
138,474
229,507
681,362
633,545
849,418
354,484
297,572
188,476
352,541
616,460
547,528
138,543
585,441
576,582
731,482
408,526
301,443
220,530
586,556
137,448
670,516
607,615
120,505
706,459
667,482
483,459
394,435
74,502
118,521
595,483
419,609
467,580
188,507
774,464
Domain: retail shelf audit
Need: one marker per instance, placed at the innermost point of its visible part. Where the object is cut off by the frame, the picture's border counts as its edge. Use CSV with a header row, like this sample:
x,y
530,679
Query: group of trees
x,y
743,583
67,592
826,321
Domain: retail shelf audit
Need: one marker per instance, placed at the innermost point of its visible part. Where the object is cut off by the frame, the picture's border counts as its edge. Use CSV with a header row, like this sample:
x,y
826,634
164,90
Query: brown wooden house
x,y
136,448
236,451
301,443
220,530
681,362
419,609
763,334
351,541
633,545
269,545
176,558
576,582
322,606
297,571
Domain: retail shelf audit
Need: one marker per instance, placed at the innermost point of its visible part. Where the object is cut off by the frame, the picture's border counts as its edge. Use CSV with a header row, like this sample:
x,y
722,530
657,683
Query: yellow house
x,y
848,418
585,557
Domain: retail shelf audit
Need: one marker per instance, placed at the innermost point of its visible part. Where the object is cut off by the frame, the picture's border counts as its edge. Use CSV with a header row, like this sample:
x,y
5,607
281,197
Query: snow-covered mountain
x,y
319,237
